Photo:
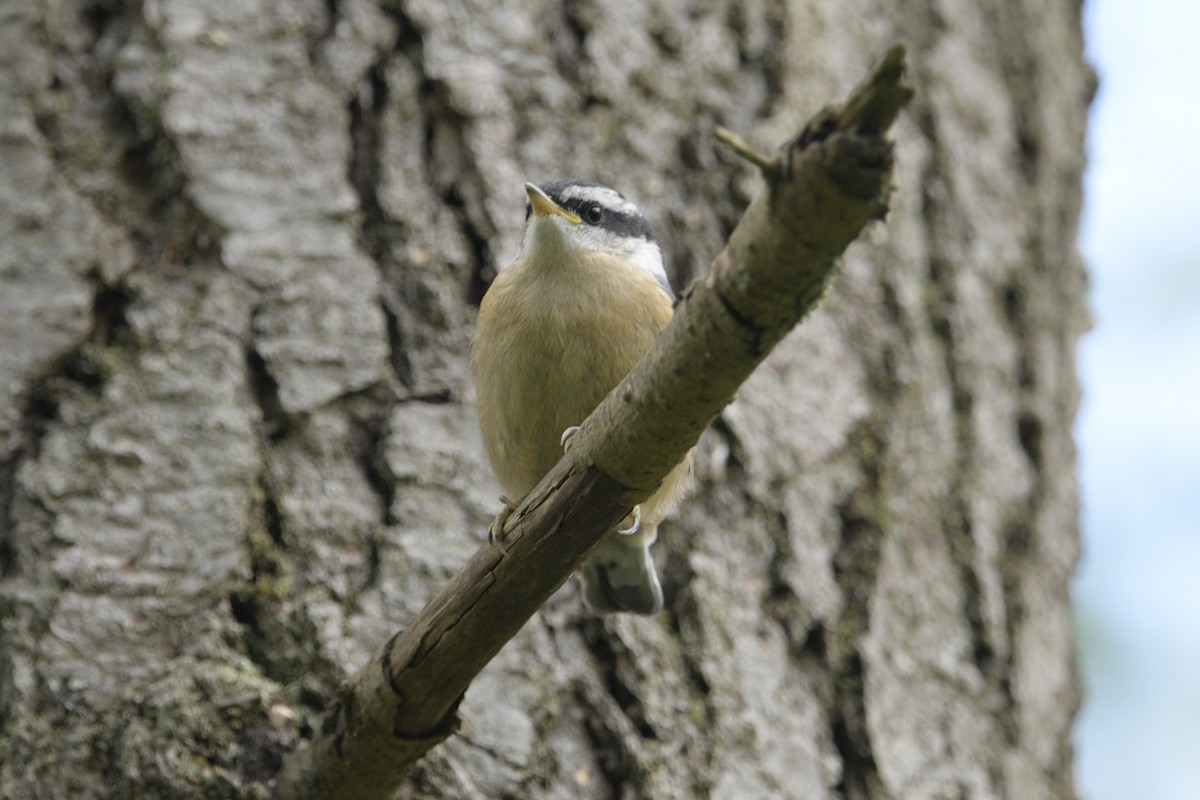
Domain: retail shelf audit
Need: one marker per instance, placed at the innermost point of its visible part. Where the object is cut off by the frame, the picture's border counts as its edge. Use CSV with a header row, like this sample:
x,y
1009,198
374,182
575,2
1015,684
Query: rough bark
x,y
240,244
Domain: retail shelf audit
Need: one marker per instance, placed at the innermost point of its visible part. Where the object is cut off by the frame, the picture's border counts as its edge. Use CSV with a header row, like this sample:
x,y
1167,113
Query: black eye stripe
x,y
588,210
617,222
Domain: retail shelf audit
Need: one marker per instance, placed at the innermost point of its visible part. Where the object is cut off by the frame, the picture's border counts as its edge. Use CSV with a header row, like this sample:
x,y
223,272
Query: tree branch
x,y
823,187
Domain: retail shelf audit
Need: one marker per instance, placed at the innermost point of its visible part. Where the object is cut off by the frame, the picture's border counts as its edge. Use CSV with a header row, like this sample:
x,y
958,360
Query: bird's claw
x,y
496,529
565,440
633,526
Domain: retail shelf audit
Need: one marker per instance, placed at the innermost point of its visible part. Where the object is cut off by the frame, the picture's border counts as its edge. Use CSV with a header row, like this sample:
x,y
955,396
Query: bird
x,y
580,305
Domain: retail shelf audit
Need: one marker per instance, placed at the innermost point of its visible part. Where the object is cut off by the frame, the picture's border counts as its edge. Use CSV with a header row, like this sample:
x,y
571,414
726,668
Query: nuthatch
x,y
558,329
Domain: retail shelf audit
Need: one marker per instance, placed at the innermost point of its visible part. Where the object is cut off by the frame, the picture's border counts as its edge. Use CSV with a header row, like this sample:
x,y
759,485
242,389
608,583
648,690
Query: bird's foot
x,y
567,435
496,529
634,518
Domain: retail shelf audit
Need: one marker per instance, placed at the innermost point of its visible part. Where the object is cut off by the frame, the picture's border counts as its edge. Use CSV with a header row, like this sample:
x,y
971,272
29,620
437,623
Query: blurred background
x,y
1138,589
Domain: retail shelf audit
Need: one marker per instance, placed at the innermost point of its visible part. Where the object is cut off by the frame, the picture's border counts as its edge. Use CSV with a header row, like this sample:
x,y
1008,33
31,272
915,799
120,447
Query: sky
x,y
1137,593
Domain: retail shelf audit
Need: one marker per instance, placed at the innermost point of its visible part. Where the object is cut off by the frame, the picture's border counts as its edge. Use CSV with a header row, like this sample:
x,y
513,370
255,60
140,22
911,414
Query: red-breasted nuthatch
x,y
558,329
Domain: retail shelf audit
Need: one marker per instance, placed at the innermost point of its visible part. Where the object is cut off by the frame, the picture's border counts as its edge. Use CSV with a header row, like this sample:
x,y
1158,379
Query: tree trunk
x,y
241,247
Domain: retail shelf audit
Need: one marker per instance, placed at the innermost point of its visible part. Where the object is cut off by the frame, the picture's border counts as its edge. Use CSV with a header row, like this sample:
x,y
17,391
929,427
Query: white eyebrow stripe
x,y
609,198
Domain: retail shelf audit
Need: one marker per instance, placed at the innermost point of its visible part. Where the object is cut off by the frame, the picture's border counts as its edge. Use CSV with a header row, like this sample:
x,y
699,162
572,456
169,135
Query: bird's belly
x,y
542,376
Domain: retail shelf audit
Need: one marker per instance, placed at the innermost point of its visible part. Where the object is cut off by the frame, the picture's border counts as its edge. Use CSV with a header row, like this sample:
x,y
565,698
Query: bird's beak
x,y
542,205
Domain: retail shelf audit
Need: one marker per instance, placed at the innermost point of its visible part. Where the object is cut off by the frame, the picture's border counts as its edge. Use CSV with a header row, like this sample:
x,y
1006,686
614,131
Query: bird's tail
x,y
619,575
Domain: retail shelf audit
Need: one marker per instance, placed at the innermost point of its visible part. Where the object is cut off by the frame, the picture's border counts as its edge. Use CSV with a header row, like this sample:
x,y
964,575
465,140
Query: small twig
x,y
767,166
